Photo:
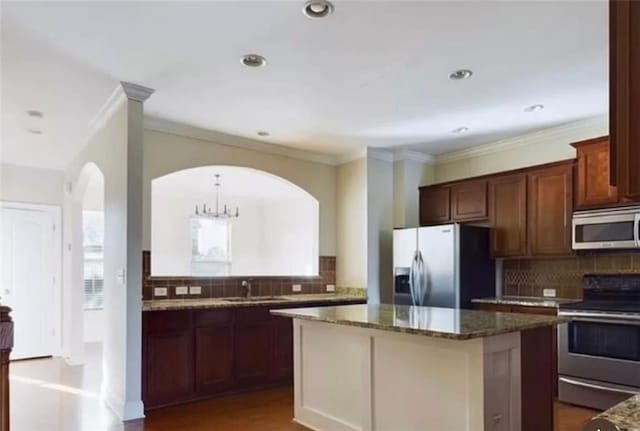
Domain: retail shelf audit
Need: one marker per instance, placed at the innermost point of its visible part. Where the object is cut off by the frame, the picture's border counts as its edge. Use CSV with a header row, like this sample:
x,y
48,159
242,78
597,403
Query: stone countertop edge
x,y
534,322
626,415
203,303
525,301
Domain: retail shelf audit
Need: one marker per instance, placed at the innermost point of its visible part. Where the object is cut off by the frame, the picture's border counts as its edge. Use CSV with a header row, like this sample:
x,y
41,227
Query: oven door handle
x,y
596,387
601,317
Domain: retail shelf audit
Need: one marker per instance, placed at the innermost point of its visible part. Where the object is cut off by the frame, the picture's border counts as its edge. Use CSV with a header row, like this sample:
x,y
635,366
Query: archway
x,y
276,233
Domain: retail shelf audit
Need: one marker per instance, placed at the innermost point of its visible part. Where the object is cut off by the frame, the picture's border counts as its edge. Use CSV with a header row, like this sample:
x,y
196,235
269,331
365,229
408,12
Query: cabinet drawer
x,y
212,317
155,322
493,307
253,315
534,310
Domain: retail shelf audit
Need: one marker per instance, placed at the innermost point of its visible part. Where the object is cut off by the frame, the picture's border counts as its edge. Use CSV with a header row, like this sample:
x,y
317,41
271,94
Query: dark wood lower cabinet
x,y
253,348
194,354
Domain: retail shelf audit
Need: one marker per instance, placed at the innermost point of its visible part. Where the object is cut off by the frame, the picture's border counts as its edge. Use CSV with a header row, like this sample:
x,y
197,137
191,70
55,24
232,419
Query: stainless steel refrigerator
x,y
442,266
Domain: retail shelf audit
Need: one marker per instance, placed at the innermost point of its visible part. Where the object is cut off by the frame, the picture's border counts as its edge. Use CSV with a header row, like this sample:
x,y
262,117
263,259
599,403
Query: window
x,y
93,243
210,247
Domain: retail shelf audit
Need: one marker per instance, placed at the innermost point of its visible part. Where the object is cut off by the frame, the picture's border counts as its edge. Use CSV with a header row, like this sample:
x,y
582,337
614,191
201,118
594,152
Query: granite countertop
x,y
452,323
301,298
626,415
526,301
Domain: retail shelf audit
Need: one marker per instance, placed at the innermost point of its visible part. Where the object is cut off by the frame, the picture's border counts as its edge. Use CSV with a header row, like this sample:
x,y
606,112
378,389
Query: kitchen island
x,y
393,367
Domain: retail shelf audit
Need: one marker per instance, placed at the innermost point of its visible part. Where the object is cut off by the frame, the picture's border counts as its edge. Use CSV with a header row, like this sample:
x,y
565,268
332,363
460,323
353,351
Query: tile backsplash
x,y
528,277
216,287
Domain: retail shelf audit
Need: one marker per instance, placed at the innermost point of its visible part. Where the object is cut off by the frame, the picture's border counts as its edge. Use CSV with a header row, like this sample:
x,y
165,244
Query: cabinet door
x,y
213,359
624,96
435,205
253,353
550,194
469,201
592,175
282,348
508,215
169,368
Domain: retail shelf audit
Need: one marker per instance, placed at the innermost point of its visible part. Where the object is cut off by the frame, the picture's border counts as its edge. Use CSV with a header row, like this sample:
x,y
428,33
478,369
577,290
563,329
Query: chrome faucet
x,y
247,286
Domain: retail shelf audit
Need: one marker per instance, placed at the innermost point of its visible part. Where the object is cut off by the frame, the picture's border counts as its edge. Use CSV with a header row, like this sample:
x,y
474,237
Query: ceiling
x,y
236,183
374,73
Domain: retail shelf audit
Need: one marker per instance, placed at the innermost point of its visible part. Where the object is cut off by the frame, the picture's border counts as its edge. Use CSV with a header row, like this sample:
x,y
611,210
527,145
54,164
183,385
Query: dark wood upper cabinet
x,y
435,205
550,207
592,186
469,201
508,215
624,96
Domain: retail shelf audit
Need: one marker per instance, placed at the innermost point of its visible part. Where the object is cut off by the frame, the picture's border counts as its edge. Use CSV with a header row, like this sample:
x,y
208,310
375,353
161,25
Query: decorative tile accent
x,y
528,277
218,287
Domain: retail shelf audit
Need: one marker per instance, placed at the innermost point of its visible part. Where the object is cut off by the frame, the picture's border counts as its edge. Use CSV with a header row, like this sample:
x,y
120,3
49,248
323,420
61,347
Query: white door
x,y
28,279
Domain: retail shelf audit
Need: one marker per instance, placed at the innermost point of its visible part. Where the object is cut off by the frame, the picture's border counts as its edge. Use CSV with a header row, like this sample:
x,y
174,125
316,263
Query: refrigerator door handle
x,y
421,288
412,277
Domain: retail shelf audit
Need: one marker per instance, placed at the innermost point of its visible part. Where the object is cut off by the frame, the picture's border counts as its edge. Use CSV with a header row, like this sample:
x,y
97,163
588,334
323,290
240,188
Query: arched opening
x,y
275,232
86,317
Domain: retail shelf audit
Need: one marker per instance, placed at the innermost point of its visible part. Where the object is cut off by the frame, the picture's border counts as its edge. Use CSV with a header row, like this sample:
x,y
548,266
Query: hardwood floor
x,y
48,395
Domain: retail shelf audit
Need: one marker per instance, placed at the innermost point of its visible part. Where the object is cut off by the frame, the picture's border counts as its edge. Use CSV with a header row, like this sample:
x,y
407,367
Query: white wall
x,y
379,229
270,238
527,150
31,185
351,222
116,149
94,326
408,176
166,153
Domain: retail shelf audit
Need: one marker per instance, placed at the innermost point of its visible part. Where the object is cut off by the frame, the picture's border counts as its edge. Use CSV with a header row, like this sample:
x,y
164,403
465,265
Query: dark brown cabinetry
x,y
508,215
253,345
528,210
168,348
550,193
469,201
213,335
435,205
195,354
624,94
592,186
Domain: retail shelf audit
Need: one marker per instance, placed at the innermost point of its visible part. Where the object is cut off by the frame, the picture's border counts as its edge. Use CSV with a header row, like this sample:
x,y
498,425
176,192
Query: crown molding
x,y
351,156
136,92
414,156
378,154
570,132
181,129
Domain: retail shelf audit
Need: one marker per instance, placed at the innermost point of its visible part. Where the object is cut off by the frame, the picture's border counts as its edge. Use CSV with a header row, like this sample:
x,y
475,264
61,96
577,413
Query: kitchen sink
x,y
256,298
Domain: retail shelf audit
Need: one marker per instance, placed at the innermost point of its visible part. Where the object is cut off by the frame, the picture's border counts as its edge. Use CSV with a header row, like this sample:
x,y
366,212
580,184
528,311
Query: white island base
x,y
350,378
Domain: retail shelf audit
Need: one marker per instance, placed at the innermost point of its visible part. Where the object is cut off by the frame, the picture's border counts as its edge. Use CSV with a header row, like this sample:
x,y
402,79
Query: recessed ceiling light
x,y
317,8
461,130
263,133
34,131
460,74
534,108
35,113
254,60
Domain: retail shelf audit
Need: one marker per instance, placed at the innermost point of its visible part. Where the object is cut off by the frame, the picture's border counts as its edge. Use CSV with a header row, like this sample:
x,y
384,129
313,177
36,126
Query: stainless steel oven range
x,y
599,349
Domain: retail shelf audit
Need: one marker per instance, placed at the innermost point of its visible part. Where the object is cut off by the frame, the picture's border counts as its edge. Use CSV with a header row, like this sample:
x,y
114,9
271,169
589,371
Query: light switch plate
x,y
195,290
296,288
331,287
549,293
182,290
159,291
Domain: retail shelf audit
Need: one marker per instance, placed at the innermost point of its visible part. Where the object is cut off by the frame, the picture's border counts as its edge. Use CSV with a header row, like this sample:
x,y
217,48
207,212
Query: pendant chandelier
x,y
208,212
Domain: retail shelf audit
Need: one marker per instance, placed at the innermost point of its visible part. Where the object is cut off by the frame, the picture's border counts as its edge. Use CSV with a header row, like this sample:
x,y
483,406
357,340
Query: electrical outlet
x,y
195,290
296,288
182,290
549,293
331,287
159,291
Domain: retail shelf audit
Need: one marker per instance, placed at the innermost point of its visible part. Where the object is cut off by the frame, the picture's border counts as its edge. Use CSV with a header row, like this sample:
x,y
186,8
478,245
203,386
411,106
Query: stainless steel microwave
x,y
606,229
